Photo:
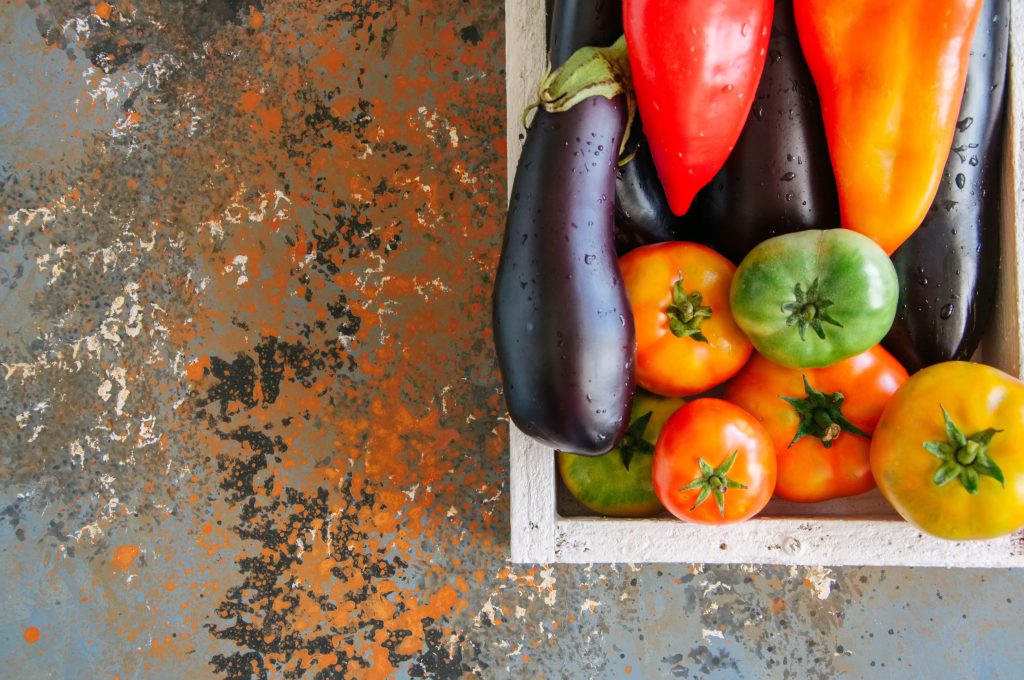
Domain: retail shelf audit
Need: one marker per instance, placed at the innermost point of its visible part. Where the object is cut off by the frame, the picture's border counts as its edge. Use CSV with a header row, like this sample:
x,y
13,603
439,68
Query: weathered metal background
x,y
249,416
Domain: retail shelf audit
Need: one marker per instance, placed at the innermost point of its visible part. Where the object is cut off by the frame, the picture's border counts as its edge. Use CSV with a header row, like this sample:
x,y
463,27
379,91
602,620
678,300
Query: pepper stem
x,y
714,482
687,312
821,416
590,72
809,309
964,457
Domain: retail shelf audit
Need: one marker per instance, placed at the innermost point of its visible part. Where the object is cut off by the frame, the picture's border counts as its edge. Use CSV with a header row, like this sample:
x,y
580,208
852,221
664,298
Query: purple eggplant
x,y
642,215
948,268
563,329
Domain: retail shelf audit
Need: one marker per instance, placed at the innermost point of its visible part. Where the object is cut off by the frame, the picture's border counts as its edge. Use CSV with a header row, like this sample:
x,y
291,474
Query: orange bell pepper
x,y
890,74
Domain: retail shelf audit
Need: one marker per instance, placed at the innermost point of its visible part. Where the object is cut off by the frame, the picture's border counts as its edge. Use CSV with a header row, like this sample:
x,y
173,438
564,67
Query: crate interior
x,y
1001,346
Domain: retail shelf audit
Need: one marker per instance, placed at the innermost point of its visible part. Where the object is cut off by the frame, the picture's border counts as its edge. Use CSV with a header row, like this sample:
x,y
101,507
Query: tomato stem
x,y
633,442
714,482
687,312
821,416
964,457
809,309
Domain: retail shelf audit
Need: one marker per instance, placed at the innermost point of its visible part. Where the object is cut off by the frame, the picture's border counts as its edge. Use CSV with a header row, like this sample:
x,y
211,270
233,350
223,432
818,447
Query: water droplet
x,y
600,147
920,270
588,397
788,177
973,162
727,88
923,280
946,312
759,112
622,321
960,180
776,55
745,29
964,124
589,259
789,196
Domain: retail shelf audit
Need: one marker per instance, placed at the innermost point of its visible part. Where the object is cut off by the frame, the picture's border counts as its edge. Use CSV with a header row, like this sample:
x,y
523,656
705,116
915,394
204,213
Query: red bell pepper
x,y
696,65
890,74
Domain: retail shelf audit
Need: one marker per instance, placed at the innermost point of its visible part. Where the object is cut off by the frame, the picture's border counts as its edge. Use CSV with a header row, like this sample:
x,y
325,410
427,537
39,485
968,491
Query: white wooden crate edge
x,y
541,535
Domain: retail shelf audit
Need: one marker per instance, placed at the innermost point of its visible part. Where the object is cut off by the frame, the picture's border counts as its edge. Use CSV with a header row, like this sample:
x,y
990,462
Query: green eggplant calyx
x,y
687,312
633,442
964,457
589,72
821,416
809,309
714,482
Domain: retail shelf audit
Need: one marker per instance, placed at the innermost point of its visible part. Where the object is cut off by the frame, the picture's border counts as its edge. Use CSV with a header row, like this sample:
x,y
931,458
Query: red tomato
x,y
714,463
821,429
686,339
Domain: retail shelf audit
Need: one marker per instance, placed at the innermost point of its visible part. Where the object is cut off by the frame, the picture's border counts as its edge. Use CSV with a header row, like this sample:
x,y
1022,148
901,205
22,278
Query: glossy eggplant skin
x,y
578,23
642,215
563,329
778,178
948,269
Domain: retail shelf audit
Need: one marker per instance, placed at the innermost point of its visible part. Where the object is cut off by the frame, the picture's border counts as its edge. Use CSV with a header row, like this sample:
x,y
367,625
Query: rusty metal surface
x,y
249,418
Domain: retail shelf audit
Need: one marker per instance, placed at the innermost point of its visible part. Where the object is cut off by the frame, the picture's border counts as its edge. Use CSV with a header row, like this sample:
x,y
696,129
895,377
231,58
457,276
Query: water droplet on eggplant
x,y
946,312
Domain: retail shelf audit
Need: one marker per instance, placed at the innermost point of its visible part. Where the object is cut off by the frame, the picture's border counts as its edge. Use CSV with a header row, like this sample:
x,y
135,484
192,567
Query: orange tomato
x,y
829,459
686,339
714,463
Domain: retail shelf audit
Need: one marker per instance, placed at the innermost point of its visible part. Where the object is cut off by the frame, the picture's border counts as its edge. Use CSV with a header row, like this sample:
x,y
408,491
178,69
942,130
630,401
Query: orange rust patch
x,y
271,119
31,635
124,555
249,101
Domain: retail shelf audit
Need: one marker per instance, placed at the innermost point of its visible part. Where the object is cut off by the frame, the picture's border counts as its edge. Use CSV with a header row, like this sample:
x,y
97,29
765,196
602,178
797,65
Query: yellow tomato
x,y
947,451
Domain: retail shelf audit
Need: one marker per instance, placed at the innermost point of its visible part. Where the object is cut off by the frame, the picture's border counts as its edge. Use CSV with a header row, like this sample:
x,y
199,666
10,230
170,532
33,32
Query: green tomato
x,y
618,484
813,298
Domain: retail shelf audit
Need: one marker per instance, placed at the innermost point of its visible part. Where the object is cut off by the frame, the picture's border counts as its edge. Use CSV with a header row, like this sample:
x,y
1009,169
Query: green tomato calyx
x,y
821,416
809,309
633,442
687,312
714,482
964,457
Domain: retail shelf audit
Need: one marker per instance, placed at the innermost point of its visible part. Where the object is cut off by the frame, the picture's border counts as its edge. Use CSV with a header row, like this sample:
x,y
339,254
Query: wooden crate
x,y
548,526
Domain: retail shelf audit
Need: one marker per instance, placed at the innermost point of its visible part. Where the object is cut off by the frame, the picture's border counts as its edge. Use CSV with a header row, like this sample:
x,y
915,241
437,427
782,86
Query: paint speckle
x,y
31,635
124,556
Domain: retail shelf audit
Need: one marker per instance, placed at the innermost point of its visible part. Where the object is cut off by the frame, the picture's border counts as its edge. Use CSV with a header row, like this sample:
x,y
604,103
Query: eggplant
x,y
778,178
948,269
642,215
563,329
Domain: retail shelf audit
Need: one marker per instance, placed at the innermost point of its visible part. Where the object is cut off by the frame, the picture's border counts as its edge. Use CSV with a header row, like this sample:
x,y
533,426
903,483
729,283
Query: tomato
x,y
813,298
820,419
618,483
947,455
714,463
686,339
